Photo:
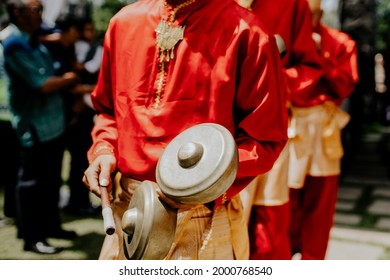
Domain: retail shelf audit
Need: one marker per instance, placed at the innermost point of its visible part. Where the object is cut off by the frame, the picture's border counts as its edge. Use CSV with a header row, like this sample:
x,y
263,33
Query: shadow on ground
x,y
85,247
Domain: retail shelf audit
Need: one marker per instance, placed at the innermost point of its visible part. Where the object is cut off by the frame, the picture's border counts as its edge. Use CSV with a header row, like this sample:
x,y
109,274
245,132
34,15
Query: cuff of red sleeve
x,y
102,149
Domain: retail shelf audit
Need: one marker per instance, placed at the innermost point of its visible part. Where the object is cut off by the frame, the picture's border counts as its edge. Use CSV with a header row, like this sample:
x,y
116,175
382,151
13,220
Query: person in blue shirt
x,y
38,117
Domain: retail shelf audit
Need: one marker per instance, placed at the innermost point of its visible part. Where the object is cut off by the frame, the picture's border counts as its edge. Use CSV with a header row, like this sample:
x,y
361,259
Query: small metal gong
x,y
198,165
148,225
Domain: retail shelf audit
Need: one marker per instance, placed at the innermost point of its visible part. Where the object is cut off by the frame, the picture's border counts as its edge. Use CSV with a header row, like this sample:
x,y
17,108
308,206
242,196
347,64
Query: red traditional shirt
x,y
226,70
291,19
339,63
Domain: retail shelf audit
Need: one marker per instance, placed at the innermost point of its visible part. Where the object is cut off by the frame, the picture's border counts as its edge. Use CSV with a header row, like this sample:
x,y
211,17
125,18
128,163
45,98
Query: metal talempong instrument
x,y
196,167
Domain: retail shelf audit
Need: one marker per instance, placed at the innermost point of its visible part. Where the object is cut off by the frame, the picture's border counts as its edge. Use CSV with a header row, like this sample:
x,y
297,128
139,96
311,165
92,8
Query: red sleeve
x,y
262,117
104,133
303,69
339,62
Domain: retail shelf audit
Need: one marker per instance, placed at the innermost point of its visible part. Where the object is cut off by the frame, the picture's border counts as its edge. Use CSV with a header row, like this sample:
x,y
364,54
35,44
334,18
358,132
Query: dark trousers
x,y
8,166
78,141
37,190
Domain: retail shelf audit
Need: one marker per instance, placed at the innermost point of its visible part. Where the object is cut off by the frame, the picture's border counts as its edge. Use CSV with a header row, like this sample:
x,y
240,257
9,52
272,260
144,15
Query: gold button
x,y
326,54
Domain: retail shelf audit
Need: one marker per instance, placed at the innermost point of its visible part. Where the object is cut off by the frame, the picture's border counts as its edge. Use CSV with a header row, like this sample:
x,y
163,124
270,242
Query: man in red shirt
x,y
290,21
314,171
148,92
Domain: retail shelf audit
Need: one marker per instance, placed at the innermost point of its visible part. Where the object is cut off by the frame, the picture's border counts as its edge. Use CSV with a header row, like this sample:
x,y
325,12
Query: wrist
x,y
103,149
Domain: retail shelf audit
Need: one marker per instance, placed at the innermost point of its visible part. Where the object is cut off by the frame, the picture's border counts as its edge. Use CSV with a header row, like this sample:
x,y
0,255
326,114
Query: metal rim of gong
x,y
148,225
203,175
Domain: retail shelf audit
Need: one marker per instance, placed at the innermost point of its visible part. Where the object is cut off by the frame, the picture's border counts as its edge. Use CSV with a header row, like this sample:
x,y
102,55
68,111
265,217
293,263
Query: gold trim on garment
x,y
167,37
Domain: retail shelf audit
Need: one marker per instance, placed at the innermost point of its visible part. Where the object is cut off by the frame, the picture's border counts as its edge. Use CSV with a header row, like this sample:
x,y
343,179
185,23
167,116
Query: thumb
x,y
105,176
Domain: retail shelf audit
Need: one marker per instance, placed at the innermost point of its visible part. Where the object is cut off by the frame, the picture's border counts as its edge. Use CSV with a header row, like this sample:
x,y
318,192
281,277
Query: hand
x,y
71,77
99,173
172,203
81,89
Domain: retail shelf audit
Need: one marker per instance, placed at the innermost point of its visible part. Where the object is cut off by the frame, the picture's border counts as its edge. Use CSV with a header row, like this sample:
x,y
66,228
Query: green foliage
x,y
103,14
383,24
113,5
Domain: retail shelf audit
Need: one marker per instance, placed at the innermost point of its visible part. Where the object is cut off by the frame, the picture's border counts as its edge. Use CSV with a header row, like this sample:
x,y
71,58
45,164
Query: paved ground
x,y
362,220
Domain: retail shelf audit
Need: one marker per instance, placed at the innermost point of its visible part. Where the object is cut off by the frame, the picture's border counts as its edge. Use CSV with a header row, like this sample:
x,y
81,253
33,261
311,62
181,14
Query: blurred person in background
x,y
38,117
89,53
10,155
314,174
79,116
268,200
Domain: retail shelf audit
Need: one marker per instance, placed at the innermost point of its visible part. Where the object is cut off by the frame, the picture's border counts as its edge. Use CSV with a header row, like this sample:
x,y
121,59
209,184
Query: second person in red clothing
x,y
316,149
269,221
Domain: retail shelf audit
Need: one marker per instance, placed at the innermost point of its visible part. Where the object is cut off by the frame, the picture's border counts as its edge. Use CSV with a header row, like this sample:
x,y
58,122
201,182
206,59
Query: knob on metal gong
x,y
198,165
